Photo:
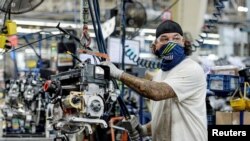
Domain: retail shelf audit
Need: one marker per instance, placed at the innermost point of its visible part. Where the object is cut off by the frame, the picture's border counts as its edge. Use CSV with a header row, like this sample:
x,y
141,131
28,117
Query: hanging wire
x,y
99,45
211,24
98,21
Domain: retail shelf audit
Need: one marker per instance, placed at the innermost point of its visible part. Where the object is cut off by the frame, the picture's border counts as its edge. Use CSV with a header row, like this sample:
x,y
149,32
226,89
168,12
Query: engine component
x,y
29,93
25,101
13,93
52,87
95,106
73,100
79,97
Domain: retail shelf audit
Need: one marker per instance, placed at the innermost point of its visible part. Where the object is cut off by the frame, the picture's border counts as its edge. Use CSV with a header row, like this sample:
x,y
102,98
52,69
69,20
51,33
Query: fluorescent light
x,y
212,57
29,51
27,30
145,30
211,42
2,50
210,35
150,38
91,34
55,32
148,30
242,9
49,24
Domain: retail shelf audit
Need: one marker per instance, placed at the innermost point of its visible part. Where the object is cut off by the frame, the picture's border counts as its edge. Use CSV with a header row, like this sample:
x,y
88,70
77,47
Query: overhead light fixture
x,y
27,30
29,51
212,57
211,42
242,9
1,51
150,37
210,35
1,56
142,31
48,23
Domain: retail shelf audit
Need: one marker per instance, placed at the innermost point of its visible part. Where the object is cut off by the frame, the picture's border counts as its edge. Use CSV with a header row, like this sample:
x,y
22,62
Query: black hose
x,y
97,15
94,26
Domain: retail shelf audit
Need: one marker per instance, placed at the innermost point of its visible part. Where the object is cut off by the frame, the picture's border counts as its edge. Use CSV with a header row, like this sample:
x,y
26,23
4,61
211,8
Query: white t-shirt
x,y
182,118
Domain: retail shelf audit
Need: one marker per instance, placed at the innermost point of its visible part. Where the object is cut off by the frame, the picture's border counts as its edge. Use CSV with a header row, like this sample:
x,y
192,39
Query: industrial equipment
x,y
79,99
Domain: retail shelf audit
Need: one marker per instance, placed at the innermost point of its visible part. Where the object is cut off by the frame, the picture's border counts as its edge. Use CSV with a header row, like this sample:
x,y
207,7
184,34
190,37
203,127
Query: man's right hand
x,y
114,71
134,128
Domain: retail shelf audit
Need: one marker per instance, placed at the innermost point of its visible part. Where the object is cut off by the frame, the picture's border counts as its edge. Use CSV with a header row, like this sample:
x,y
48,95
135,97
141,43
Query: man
x,y
178,90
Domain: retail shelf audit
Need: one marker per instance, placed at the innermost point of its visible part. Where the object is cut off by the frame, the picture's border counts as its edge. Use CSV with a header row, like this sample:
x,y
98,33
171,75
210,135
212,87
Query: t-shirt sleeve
x,y
186,82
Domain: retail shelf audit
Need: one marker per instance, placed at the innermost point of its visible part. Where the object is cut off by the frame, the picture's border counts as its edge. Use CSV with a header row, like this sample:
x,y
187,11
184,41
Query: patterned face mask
x,y
171,54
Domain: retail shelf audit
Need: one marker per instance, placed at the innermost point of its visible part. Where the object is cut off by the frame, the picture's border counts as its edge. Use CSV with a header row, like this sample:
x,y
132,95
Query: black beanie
x,y
168,26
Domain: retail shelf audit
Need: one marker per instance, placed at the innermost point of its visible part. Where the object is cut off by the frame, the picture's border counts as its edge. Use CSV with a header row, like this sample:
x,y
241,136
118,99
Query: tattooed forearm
x,y
150,89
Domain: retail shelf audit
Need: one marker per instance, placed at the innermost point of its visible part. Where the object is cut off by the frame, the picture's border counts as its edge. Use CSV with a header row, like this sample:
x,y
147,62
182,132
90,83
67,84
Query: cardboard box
x,y
232,118
225,70
246,119
227,118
